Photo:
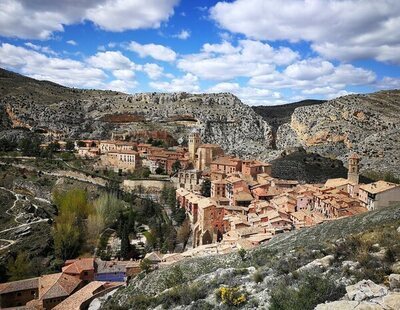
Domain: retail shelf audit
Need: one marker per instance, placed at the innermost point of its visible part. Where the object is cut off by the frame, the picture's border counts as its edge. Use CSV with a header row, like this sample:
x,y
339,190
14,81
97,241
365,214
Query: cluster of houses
x,y
80,281
247,206
127,156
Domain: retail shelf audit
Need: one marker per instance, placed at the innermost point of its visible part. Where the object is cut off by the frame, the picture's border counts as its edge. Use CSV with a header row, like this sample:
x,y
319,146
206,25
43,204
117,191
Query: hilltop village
x,y
233,204
244,205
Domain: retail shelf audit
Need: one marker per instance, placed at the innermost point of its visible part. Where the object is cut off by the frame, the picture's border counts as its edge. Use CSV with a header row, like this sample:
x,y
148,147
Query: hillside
x,y
53,109
366,124
278,115
321,260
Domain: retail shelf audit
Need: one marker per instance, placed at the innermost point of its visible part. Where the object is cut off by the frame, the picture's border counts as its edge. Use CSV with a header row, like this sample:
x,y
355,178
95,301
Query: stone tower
x,y
194,142
353,170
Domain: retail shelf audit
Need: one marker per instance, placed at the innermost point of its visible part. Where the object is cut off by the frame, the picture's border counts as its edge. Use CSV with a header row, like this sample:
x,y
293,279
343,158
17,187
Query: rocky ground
x,y
366,124
353,260
27,211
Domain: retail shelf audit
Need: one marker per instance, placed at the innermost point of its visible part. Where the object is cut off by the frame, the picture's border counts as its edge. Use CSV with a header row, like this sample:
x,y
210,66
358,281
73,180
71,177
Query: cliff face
x,y
366,124
53,109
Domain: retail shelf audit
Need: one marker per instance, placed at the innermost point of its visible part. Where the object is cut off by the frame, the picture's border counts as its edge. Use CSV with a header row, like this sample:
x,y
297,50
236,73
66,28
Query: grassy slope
x,y
303,241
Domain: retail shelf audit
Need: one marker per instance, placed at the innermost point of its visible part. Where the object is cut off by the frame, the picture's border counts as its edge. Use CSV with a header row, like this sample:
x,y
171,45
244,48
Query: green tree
x,y
19,268
81,143
176,166
205,189
70,229
131,221
160,170
30,146
125,243
70,146
7,145
145,265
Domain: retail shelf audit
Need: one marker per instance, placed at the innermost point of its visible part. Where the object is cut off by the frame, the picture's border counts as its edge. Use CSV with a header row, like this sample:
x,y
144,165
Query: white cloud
x,y
39,19
388,83
187,83
315,77
183,35
121,85
111,60
224,61
153,71
124,74
156,51
338,29
72,42
249,95
222,48
309,69
37,65
44,49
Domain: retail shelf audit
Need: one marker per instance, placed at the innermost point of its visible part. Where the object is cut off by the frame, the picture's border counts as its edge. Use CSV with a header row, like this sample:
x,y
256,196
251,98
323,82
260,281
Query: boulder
x,y
395,267
365,289
338,305
394,281
392,301
365,305
323,262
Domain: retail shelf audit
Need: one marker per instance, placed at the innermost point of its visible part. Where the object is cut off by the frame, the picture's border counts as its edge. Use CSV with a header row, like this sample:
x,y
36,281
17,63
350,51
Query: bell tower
x,y
194,142
353,170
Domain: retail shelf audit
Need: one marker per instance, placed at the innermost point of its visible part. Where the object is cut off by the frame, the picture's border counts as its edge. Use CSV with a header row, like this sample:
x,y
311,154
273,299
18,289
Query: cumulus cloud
x,y
40,66
72,42
183,35
44,49
124,86
155,51
225,61
186,83
344,30
111,60
249,95
153,71
388,83
39,19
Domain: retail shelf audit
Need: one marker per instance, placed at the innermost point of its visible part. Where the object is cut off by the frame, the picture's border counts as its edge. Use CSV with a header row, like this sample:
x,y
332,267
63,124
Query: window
x,y
85,273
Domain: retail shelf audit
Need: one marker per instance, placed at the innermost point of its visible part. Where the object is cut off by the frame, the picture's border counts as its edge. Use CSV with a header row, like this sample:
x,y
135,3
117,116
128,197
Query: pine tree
x,y
125,243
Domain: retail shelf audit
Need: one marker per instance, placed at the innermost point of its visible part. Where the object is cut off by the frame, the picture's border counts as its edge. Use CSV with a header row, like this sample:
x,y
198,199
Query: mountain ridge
x,y
366,124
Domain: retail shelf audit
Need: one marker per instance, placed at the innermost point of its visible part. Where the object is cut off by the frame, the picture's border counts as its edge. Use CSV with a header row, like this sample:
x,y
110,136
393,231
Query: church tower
x,y
353,171
194,142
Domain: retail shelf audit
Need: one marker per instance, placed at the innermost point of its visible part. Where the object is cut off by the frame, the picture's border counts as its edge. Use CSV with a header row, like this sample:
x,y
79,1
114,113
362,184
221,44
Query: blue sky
x,y
264,51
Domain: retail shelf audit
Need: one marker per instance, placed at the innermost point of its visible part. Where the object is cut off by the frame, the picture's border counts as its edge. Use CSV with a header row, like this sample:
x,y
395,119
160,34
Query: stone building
x,y
126,161
379,194
194,142
189,179
18,293
353,169
206,153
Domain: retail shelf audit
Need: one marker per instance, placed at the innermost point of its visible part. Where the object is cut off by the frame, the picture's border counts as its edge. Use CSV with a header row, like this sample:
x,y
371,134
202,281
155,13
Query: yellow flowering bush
x,y
231,296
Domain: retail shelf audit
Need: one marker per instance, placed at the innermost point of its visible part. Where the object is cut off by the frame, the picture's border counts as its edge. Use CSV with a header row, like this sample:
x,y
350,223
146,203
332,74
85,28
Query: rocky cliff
x,y
366,124
56,110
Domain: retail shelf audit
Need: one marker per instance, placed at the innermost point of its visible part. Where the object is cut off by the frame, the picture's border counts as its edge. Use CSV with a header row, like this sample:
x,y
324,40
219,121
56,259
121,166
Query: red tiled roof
x,y
57,285
78,265
20,285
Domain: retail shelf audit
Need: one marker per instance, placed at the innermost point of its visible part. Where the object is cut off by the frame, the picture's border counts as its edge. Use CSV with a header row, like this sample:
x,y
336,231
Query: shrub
x,y
258,277
242,254
312,290
231,296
